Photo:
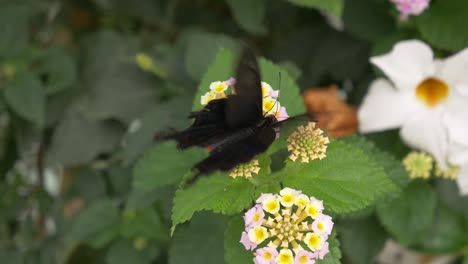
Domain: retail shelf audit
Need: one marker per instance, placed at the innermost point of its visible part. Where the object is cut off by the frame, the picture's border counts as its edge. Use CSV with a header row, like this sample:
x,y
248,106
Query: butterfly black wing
x,y
244,108
208,127
239,148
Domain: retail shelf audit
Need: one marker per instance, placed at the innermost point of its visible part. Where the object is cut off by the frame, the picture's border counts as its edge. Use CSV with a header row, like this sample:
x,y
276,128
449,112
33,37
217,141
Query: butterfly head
x,y
267,121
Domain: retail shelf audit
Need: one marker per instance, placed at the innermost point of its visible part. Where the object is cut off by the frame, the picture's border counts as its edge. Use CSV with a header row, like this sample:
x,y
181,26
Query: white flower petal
x,y
462,179
425,131
385,108
457,127
409,63
457,154
453,71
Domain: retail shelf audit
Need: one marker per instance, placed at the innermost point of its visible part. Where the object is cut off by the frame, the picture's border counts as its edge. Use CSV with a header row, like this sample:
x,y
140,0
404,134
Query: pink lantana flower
x,y
304,257
265,255
323,225
246,241
254,216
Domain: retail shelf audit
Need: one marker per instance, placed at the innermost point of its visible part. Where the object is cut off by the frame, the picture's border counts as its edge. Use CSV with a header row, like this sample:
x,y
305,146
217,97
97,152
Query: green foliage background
x,y
82,181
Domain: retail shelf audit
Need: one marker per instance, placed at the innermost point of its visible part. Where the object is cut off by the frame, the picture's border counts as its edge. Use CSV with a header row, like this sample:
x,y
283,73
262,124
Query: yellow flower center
x,y
314,240
312,211
267,255
260,234
285,258
320,226
303,259
288,198
432,91
272,206
220,88
256,217
268,105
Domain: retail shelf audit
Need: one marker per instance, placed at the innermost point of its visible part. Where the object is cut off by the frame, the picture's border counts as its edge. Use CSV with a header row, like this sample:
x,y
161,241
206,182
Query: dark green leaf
x,y
57,69
448,232
249,14
200,241
234,251
442,23
78,140
362,239
450,194
124,252
171,114
96,225
333,6
26,96
368,19
409,216
164,164
143,224
197,61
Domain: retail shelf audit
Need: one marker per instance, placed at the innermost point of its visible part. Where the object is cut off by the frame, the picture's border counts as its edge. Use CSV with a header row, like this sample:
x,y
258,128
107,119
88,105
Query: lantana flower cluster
x,y
271,105
287,228
307,143
419,164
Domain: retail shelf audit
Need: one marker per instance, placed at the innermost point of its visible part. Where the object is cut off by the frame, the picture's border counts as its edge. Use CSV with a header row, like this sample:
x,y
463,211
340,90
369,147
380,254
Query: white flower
x,y
427,98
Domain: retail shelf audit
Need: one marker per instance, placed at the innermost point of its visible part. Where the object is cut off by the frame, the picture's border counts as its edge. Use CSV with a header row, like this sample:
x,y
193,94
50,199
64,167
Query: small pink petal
x,y
231,81
263,197
246,241
275,93
306,253
282,114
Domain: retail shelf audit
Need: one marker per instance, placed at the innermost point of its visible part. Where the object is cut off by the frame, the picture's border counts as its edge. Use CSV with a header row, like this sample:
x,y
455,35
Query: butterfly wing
x,y
208,127
226,156
244,108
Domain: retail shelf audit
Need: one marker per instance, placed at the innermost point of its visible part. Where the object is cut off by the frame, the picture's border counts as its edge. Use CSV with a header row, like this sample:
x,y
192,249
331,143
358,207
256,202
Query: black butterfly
x,y
234,127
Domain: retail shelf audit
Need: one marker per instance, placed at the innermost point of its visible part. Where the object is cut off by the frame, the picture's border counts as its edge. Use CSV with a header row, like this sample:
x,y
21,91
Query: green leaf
x,y
58,70
391,165
368,19
124,252
249,14
334,256
196,62
447,233
362,239
465,259
164,164
114,79
96,225
200,241
346,180
218,193
143,224
449,193
234,251
77,140
25,95
333,6
409,216
170,114
14,27
442,23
